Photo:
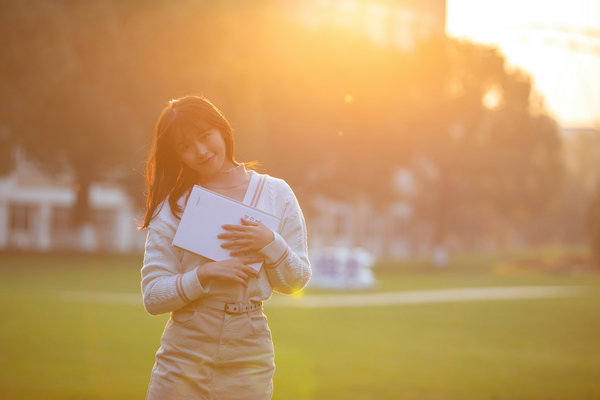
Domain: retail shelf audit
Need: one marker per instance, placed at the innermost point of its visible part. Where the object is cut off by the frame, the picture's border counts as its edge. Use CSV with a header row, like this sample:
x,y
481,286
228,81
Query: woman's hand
x,y
234,269
246,239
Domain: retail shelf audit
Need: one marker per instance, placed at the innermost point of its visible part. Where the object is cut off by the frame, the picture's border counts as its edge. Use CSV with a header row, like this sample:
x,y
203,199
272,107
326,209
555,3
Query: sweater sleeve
x,y
286,257
164,287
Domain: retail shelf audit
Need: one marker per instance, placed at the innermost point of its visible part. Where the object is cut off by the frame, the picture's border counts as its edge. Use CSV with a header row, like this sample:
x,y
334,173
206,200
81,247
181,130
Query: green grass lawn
x,y
52,348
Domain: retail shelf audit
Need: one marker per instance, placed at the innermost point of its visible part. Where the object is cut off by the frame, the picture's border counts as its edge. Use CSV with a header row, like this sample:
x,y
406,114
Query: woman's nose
x,y
201,149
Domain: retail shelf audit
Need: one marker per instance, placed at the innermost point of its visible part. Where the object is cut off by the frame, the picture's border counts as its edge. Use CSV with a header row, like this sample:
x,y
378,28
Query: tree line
x,y
333,113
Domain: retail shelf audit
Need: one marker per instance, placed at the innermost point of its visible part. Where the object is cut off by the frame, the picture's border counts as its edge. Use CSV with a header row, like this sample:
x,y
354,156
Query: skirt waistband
x,y
239,307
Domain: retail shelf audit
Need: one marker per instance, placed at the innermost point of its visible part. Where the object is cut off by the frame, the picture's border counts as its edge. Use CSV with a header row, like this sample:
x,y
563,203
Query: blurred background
x,y
448,143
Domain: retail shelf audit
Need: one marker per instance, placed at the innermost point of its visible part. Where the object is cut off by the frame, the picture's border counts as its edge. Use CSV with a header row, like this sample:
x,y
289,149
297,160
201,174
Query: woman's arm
x,y
286,257
164,287
285,253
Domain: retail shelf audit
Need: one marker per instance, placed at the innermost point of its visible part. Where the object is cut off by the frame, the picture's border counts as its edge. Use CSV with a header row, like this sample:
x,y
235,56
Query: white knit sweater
x,y
169,278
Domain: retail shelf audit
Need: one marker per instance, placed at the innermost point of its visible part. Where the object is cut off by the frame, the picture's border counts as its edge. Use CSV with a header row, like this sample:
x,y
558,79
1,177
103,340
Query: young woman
x,y
216,344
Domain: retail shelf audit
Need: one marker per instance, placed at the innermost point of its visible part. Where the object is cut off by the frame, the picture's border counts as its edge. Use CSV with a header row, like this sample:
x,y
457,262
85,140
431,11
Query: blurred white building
x,y
357,224
35,214
391,233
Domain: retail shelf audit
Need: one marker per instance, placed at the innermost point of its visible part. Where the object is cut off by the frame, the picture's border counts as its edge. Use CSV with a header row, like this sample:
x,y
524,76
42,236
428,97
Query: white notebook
x,y
203,216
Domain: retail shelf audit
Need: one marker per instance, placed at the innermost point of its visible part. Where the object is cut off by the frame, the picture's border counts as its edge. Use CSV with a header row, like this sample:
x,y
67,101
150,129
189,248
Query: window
x,y
21,217
104,221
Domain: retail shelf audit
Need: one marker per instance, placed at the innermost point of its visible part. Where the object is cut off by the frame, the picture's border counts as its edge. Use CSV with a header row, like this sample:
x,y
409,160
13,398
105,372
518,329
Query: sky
x,y
557,42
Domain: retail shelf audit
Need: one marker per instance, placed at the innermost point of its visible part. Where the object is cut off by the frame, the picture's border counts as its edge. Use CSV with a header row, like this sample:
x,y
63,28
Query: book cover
x,y
203,216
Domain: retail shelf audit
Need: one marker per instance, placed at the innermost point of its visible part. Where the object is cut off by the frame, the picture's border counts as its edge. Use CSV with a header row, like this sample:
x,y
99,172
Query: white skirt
x,y
207,353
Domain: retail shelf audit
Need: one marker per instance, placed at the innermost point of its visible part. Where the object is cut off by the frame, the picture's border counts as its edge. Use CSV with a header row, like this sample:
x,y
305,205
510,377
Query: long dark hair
x,y
166,175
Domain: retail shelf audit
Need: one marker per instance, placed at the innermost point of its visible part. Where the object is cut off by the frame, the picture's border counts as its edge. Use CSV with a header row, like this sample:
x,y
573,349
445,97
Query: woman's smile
x,y
207,160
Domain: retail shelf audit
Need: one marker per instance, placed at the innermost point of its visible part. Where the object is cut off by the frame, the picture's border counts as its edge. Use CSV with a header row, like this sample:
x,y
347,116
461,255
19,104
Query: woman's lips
x,y
207,160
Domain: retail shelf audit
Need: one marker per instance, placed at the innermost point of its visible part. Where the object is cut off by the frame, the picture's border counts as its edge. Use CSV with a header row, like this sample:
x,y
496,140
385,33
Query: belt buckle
x,y
255,305
233,308
244,307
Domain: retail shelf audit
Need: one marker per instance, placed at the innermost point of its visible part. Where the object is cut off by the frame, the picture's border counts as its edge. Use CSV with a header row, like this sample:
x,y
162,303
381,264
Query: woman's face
x,y
203,151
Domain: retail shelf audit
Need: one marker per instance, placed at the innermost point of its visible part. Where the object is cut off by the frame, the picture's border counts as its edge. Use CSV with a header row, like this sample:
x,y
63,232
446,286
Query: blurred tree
x,y
566,220
487,136
64,71
332,112
582,202
6,151
83,82
353,112
593,228
338,102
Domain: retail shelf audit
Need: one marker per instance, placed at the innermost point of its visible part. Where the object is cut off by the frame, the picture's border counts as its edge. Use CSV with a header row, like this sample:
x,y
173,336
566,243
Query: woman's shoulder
x,y
280,192
164,218
277,184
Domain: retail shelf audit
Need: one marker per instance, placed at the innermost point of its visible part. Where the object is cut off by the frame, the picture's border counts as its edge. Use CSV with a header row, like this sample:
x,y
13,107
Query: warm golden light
x,y
393,158
492,98
551,40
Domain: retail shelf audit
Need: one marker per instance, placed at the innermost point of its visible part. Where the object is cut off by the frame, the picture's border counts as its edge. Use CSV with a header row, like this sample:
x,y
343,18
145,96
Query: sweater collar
x,y
227,179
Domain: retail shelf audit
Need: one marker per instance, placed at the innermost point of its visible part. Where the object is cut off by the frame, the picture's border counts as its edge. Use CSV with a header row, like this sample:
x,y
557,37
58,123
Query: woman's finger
x,y
250,223
236,276
252,260
242,274
240,280
237,243
228,227
232,235
229,243
241,252
251,271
